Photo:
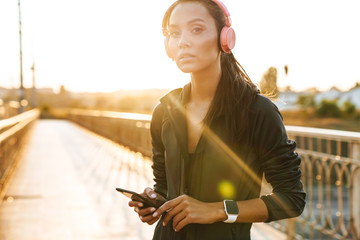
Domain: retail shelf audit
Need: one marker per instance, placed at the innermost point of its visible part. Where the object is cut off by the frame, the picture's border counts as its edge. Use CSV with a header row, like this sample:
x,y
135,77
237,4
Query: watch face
x,y
231,207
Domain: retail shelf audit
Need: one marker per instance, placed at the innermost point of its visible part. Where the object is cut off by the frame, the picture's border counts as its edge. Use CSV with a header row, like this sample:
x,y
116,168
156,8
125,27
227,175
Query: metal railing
x,y
12,131
331,176
330,167
128,129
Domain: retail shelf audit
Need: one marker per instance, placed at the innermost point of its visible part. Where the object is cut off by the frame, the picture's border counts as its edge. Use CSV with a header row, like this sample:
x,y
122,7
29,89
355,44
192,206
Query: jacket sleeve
x,y
158,150
280,163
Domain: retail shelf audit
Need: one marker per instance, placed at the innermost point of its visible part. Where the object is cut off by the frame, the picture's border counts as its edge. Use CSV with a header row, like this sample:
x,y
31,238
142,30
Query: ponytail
x,y
233,98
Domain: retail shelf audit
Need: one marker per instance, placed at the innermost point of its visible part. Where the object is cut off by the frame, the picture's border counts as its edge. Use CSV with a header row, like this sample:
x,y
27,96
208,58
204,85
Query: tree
x,y
268,83
286,69
62,90
306,101
348,108
328,108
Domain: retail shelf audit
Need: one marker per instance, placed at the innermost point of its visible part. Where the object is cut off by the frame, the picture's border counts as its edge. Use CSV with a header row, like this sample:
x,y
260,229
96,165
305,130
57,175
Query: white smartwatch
x,y
231,210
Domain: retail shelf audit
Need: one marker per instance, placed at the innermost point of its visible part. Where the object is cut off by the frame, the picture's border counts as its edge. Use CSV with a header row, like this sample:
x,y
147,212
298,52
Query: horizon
x,y
97,49
145,90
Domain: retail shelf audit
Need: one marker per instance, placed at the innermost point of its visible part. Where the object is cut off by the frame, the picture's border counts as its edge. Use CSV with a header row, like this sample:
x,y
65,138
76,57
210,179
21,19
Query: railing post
x,y
355,154
355,151
356,200
290,229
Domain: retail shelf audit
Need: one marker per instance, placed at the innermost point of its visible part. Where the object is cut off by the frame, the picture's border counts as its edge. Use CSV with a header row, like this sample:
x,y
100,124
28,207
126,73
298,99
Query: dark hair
x,y
235,92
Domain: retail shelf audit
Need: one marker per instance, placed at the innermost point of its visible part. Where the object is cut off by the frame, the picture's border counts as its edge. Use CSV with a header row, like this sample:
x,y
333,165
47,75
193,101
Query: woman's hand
x,y
145,214
185,210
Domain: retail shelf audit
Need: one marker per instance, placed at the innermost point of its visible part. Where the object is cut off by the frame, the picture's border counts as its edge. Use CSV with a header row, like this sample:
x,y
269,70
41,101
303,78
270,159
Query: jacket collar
x,y
177,98
174,103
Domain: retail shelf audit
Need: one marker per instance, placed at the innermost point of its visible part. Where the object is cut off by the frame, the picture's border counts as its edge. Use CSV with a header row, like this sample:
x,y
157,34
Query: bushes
x,y
328,108
349,109
306,101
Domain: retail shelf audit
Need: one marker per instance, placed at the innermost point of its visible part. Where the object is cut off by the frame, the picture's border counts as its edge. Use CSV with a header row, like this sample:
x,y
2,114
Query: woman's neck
x,y
204,84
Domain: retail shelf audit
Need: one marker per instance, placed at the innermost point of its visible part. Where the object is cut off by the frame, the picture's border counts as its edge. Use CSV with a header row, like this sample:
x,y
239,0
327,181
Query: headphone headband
x,y
225,10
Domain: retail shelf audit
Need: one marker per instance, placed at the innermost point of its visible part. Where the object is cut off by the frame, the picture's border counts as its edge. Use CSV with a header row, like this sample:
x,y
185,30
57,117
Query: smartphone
x,y
137,197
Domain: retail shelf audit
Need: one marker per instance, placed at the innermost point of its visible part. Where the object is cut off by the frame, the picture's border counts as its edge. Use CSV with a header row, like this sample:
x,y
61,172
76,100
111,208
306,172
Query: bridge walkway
x,y
64,188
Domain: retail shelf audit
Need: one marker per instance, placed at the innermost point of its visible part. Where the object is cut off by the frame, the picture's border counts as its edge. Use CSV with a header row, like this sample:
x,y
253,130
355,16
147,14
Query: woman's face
x,y
193,38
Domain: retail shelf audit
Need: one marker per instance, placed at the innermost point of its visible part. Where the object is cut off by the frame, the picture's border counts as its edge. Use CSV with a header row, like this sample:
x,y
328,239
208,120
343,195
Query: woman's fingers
x,y
146,211
175,211
185,210
151,222
166,206
147,218
183,222
172,208
135,204
146,215
178,218
150,193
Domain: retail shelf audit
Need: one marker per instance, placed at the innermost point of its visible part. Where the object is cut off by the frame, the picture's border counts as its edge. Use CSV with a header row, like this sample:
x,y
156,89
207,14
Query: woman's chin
x,y
186,68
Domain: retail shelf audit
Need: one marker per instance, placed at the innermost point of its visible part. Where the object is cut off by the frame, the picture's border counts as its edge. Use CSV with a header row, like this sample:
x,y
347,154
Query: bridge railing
x,y
331,176
330,167
12,131
128,129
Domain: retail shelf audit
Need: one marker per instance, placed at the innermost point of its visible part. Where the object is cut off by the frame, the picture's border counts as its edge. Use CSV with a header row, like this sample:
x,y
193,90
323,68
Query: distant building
x,y
287,100
352,96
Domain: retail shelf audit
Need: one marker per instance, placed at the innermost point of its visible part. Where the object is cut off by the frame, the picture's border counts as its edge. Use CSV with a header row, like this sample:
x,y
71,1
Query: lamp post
x,y
21,89
33,91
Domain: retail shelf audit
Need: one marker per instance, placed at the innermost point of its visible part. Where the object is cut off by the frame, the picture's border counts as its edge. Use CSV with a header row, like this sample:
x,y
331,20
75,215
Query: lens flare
x,y
226,189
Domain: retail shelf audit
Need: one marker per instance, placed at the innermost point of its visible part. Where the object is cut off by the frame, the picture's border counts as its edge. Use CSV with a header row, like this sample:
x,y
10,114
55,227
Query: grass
x,y
309,119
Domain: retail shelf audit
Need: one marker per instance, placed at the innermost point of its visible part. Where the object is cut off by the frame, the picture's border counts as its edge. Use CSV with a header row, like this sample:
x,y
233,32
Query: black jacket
x,y
217,172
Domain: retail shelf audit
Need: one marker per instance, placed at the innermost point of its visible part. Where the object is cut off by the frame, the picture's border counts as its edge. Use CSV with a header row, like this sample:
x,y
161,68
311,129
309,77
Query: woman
x,y
214,138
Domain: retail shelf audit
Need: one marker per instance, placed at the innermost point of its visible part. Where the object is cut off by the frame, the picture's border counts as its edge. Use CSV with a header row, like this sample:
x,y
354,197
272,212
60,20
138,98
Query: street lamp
x,y
21,89
33,91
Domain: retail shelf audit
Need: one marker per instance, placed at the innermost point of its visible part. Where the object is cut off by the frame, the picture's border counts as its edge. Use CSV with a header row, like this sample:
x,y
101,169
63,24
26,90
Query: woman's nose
x,y
184,41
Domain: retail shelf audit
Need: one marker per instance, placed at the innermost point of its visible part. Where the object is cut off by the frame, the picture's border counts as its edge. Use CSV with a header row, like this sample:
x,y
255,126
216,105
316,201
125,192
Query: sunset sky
x,y
107,45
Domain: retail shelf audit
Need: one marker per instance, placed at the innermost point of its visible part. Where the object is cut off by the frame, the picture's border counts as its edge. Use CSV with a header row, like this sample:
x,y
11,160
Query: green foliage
x,y
349,109
357,117
328,108
306,101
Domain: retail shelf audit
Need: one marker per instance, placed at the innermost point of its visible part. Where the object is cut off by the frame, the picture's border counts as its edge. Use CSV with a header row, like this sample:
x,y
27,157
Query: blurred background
x,y
102,65
109,54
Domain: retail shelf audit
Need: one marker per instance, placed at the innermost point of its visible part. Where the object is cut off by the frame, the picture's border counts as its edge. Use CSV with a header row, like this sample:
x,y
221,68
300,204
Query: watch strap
x,y
233,211
231,218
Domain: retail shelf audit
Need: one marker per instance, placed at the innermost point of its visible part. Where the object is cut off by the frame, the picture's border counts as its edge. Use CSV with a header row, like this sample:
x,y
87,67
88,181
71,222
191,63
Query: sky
x,y
109,45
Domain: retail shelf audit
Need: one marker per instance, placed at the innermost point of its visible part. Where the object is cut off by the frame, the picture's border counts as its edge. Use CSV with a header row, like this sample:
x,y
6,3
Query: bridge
x,y
58,179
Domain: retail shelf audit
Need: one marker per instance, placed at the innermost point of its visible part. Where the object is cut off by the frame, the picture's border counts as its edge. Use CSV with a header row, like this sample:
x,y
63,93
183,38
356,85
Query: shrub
x,y
328,108
306,101
349,109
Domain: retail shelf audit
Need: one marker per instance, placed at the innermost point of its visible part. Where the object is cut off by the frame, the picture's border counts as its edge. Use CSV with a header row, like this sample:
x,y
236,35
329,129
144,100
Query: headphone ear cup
x,y
167,49
227,39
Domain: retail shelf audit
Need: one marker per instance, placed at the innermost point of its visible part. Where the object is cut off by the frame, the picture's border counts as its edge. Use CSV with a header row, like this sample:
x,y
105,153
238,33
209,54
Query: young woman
x,y
214,138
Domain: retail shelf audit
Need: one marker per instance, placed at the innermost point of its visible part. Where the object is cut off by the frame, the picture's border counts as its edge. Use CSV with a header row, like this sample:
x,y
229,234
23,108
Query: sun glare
x,y
71,47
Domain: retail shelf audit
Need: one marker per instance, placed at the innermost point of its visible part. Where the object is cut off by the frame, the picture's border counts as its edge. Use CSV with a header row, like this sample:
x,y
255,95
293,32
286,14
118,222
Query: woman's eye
x,y
174,34
197,30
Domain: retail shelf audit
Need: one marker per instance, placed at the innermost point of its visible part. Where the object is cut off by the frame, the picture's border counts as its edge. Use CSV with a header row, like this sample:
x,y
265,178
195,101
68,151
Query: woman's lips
x,y
185,57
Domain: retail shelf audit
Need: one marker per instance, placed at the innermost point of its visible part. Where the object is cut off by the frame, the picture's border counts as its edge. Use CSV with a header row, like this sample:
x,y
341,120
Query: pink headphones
x,y
227,35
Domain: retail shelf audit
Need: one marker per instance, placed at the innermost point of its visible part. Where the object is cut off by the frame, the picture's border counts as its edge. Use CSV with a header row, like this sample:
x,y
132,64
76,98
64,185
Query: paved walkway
x,y
64,188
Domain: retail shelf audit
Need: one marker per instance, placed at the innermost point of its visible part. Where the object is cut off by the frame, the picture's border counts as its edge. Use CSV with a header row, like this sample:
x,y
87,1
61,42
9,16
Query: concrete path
x,y
64,188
